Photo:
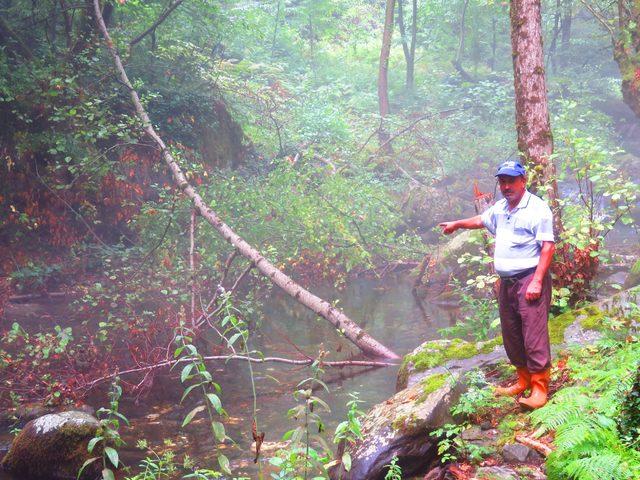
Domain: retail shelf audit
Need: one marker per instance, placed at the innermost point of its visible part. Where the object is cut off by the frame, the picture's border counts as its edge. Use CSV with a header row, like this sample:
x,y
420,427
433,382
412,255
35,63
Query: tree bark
x,y
367,344
383,85
535,141
626,47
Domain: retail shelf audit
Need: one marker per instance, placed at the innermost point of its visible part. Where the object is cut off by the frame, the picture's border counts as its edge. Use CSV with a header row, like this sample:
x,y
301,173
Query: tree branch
x,y
601,19
160,19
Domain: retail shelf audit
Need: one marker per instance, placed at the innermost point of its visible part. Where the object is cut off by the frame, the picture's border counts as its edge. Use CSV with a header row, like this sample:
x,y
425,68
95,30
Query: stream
x,y
384,308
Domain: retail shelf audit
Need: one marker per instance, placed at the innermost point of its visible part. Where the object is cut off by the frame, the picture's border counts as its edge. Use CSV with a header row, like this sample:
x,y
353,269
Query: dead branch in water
x,y
244,358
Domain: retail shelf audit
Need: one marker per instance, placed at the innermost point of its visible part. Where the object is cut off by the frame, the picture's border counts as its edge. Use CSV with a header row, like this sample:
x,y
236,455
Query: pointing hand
x,y
448,227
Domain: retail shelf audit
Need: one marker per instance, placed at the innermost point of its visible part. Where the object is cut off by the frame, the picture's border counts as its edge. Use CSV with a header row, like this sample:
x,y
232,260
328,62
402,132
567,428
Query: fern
x,y
607,466
589,445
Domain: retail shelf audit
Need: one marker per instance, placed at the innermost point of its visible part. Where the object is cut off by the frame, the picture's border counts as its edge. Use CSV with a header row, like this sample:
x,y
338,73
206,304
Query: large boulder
x,y
400,427
53,447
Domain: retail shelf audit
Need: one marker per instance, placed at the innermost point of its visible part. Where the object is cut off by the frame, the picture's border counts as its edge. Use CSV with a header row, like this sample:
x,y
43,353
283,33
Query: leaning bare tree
x,y
340,321
535,141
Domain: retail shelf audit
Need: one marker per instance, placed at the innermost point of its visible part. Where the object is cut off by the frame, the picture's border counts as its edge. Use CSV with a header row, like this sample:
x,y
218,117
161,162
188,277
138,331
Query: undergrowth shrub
x,y
590,444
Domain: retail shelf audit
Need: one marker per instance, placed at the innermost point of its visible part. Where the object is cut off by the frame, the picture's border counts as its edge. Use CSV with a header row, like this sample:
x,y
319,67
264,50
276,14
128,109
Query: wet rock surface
x,y
52,447
514,452
401,427
497,473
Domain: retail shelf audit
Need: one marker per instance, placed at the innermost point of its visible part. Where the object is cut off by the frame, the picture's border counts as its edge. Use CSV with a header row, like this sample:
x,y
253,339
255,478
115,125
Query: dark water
x,y
385,309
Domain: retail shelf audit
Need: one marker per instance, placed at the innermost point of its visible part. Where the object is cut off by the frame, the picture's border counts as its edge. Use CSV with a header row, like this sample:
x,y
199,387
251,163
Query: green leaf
x,y
218,431
107,474
232,340
113,456
223,461
85,464
192,414
215,401
186,371
92,443
346,461
188,390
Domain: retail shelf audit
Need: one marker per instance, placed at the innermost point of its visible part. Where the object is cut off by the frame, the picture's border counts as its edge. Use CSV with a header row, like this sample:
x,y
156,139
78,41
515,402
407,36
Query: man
x,y
524,244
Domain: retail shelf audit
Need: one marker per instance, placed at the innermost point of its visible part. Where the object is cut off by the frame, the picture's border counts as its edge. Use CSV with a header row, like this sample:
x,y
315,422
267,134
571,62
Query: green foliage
x,y
477,401
480,315
196,377
629,419
589,442
350,429
394,471
156,465
108,436
308,452
479,398
605,195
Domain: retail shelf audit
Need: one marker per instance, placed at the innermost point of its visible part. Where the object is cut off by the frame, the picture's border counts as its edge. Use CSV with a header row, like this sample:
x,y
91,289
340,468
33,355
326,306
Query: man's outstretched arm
x,y
468,223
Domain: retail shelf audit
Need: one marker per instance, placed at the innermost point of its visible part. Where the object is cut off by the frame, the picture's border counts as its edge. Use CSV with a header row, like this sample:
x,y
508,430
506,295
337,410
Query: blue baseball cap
x,y
511,168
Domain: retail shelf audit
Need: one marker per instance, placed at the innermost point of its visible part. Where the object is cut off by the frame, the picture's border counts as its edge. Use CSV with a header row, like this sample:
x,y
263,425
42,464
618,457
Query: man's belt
x,y
519,276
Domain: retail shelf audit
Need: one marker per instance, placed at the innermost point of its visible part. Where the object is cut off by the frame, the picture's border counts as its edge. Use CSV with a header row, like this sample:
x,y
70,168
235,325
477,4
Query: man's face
x,y
512,188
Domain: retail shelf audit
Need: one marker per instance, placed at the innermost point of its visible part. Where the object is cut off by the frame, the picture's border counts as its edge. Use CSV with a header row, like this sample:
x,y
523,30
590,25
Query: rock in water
x,y
400,427
53,447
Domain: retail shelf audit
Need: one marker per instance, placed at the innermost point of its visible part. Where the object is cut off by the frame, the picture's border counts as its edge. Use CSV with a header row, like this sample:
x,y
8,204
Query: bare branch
x,y
600,18
160,19
244,358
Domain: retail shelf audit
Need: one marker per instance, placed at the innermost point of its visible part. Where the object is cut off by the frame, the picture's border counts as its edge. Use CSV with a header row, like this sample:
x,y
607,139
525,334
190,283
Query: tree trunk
x,y
13,42
551,53
408,49
535,141
383,86
344,324
626,52
565,25
457,62
494,42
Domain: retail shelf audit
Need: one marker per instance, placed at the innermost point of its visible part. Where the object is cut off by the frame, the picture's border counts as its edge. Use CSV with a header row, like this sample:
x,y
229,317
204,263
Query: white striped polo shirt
x,y
519,233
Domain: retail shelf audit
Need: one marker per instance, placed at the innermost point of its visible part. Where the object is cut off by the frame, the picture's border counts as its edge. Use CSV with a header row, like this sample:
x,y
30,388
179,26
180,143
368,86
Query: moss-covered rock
x,y
587,318
591,317
53,447
440,352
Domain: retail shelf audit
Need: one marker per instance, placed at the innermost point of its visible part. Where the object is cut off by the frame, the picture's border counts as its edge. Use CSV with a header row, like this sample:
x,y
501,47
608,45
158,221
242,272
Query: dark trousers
x,y
525,332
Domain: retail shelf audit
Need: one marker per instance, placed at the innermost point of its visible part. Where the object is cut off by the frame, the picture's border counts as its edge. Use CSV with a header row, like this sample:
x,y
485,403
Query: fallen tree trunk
x,y
367,344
